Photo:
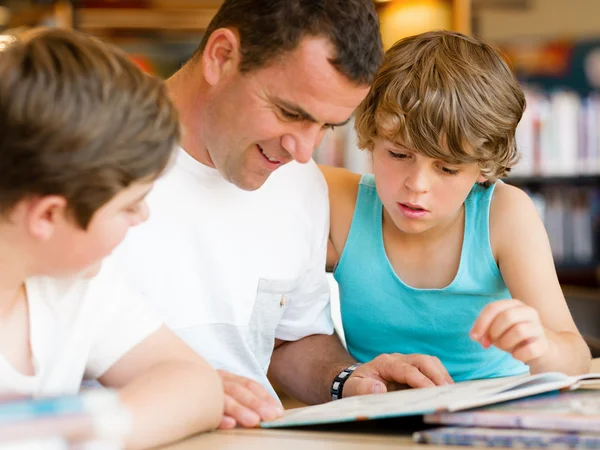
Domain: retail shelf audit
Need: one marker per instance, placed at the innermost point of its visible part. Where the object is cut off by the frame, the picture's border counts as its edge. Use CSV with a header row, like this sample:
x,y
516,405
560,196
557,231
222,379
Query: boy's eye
x,y
397,155
449,171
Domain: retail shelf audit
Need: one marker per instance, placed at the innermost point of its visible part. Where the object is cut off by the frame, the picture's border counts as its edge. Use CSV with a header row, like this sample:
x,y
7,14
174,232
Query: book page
x,y
417,401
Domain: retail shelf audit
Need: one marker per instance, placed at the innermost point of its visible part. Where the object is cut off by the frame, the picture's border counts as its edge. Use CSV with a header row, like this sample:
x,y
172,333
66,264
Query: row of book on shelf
x,y
571,216
559,134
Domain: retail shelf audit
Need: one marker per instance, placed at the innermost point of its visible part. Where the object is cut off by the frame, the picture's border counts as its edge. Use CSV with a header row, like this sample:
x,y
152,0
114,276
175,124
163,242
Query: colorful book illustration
x,y
492,437
416,402
94,415
566,411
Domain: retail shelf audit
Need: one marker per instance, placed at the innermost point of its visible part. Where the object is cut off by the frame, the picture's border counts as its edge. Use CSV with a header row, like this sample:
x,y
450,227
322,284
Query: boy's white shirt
x,y
78,326
231,270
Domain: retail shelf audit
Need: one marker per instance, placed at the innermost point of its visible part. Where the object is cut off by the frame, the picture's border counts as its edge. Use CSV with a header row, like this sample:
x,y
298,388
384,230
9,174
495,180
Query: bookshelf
x,y
155,19
549,180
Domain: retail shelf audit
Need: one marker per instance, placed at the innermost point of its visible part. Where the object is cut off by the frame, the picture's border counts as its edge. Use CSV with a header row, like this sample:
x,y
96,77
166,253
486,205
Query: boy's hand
x,y
387,371
512,326
246,402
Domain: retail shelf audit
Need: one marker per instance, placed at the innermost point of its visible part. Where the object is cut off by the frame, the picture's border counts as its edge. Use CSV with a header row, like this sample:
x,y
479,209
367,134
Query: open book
x,y
416,402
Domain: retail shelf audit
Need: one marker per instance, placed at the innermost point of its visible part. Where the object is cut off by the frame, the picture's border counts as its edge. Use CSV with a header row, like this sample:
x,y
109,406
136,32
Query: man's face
x,y
258,121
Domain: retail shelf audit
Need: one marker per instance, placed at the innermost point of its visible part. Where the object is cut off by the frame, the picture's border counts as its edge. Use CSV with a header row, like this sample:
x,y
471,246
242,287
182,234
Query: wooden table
x,y
276,439
297,440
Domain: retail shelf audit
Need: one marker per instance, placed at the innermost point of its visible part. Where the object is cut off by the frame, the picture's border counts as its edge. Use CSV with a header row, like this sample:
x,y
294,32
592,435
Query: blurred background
x,y
552,45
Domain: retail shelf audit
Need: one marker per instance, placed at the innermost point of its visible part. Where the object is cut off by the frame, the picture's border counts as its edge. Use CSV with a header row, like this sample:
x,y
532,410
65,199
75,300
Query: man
x,y
234,253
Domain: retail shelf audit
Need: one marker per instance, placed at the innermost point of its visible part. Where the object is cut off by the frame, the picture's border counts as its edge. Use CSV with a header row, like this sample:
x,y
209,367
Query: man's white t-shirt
x,y
78,326
231,270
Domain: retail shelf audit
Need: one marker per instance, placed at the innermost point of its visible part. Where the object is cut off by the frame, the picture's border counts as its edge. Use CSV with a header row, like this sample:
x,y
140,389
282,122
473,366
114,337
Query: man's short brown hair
x,y
271,28
80,120
448,96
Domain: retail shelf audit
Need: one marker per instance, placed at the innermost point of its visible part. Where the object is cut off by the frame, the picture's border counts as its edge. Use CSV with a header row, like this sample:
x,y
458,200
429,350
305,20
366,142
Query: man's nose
x,y
302,143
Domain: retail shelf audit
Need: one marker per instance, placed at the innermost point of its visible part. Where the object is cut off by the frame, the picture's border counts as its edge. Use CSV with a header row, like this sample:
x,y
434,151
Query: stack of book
x,y
94,419
556,420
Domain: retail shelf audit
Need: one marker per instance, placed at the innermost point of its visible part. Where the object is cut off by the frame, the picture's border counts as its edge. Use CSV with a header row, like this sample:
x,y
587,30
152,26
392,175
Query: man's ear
x,y
221,55
44,214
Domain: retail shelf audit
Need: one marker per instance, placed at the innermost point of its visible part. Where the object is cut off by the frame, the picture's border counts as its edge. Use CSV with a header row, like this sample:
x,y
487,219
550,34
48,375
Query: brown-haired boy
x,y
432,251
85,133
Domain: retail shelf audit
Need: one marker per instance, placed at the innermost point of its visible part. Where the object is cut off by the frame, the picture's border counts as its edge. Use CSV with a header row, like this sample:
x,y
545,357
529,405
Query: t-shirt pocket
x,y
272,299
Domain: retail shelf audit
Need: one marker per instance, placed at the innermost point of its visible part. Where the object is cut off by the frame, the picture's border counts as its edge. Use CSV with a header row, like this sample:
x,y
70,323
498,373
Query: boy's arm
x,y
170,390
343,190
536,327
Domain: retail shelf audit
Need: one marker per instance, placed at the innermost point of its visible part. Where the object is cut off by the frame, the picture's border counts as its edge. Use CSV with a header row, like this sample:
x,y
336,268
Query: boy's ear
x,y
481,179
44,215
221,55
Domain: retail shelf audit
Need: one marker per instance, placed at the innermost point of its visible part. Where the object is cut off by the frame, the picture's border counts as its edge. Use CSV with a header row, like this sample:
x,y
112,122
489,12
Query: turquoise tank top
x,y
382,314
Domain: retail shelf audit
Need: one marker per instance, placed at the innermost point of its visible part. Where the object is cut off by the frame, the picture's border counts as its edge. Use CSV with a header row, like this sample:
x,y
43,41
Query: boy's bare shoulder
x,y
343,191
511,213
342,184
509,198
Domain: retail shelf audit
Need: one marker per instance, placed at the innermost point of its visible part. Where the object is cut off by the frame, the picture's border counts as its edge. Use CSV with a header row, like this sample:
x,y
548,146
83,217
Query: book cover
x,y
491,437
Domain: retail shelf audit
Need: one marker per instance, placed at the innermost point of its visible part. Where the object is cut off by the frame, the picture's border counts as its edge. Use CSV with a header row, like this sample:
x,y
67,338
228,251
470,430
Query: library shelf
x,y
549,180
175,19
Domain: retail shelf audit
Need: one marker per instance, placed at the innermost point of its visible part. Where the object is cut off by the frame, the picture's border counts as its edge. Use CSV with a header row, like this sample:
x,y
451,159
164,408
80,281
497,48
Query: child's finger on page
x,y
242,415
261,401
238,390
262,394
487,316
227,423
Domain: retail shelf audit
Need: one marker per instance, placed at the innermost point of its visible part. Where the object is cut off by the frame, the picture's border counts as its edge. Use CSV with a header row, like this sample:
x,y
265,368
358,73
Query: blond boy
x,y
433,254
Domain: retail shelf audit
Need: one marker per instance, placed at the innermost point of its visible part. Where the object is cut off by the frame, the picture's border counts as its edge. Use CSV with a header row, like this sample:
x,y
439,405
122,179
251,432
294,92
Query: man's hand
x,y
246,402
514,327
385,372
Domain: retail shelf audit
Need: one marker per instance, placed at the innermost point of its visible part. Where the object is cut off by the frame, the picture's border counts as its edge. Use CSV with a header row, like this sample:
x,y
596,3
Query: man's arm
x,y
306,369
317,354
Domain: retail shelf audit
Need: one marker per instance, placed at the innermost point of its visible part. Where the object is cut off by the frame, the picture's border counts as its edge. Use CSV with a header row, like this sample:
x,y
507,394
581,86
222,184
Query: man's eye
x,y
289,115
